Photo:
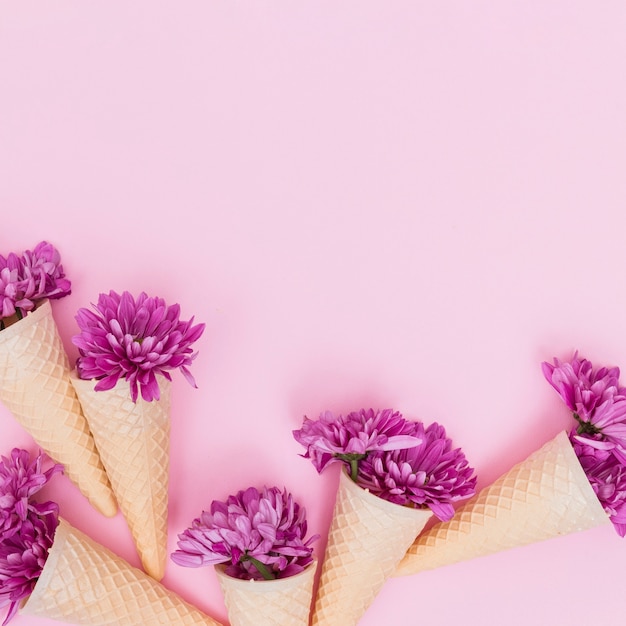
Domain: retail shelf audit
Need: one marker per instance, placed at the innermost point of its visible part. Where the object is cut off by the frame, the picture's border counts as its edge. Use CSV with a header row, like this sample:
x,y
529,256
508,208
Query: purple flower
x,y
432,474
20,479
259,534
26,280
597,401
15,297
22,557
351,438
134,340
607,476
44,272
26,528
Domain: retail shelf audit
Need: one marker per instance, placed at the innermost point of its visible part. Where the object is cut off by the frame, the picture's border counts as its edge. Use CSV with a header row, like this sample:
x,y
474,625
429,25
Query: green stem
x,y
263,569
353,460
354,469
585,428
19,314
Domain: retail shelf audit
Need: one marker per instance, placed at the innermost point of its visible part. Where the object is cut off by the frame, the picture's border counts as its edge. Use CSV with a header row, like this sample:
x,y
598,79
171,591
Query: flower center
x,y
585,428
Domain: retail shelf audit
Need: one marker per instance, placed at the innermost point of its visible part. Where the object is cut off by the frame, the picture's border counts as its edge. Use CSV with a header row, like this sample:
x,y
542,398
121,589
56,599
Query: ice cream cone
x,y
133,439
35,386
368,537
84,583
544,496
284,601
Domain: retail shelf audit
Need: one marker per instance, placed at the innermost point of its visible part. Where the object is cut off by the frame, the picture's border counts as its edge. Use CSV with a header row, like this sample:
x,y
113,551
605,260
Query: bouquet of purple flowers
x,y
396,473
255,535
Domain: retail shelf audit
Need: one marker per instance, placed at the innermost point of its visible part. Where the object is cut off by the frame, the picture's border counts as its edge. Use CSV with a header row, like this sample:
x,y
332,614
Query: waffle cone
x,y
133,439
544,496
84,583
285,601
35,386
368,537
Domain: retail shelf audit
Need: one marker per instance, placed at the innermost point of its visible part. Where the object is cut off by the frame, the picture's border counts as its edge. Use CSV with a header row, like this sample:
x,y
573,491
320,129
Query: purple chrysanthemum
x,y
260,534
43,270
432,474
607,476
134,340
26,528
26,280
15,296
351,438
597,401
22,557
20,479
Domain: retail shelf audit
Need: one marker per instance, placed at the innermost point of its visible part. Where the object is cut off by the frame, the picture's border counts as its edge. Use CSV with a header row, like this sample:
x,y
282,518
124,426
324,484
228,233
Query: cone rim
x,y
42,310
391,508
265,585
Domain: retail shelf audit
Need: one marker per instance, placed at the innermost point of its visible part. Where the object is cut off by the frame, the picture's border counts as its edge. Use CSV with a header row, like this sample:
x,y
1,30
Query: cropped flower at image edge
x,y
26,528
598,405
27,279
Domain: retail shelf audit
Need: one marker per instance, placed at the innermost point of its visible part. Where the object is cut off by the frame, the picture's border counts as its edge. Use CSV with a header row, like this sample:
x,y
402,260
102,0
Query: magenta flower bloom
x,y
15,296
607,476
26,280
597,401
22,557
134,340
260,534
9,286
432,474
351,438
44,272
26,528
20,480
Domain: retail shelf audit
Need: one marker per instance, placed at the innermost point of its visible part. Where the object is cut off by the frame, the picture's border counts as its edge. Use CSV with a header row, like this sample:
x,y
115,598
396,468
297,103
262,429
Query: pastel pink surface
x,y
401,204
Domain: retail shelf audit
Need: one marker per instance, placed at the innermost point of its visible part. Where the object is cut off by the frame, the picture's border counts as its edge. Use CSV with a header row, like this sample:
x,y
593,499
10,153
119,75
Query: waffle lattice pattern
x,y
367,539
544,496
35,386
284,602
133,439
84,583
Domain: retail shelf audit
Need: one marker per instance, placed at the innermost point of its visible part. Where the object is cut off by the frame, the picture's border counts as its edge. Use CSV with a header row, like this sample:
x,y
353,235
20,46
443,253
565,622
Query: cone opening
x,y
36,315
391,508
263,586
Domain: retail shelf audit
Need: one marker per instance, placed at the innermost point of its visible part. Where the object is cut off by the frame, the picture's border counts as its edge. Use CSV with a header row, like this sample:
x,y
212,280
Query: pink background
x,y
401,204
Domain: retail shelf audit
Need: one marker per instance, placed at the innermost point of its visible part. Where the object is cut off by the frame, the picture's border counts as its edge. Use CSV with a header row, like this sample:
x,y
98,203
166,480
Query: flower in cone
x,y
26,527
59,573
265,562
127,347
135,340
597,402
574,482
25,280
34,370
396,474
598,405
